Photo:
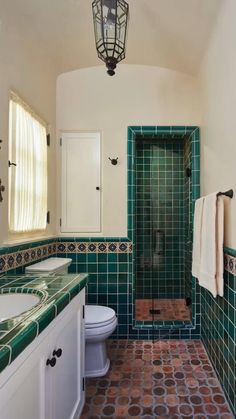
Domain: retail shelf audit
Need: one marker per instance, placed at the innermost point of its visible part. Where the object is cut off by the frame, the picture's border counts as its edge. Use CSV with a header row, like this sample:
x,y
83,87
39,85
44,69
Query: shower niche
x,y
163,174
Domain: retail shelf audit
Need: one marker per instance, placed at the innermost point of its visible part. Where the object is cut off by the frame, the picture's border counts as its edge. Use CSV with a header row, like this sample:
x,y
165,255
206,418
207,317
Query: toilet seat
x,y
98,316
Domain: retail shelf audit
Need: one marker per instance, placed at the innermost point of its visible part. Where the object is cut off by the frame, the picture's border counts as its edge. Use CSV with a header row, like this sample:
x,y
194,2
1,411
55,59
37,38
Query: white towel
x,y
211,265
197,234
220,245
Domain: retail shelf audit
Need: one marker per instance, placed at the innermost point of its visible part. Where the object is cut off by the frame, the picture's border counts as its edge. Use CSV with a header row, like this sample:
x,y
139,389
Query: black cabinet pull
x,y
52,362
97,188
57,353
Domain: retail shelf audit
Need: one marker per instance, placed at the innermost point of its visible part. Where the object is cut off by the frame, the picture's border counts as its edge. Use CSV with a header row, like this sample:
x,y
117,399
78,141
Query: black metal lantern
x,y
110,26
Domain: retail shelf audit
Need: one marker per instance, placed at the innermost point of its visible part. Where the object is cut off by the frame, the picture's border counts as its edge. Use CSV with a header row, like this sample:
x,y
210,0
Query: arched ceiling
x,y
166,33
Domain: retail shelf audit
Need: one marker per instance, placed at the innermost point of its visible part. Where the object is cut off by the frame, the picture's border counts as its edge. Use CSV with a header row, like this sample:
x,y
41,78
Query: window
x,y
28,177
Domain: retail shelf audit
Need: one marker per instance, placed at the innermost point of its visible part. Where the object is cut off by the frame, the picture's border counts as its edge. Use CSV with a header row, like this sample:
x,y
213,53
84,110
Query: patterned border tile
x,y
230,264
19,258
23,257
94,247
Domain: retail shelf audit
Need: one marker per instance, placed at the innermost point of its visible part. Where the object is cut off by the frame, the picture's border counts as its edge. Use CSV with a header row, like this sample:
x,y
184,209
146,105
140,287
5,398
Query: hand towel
x,y
219,245
207,275
197,233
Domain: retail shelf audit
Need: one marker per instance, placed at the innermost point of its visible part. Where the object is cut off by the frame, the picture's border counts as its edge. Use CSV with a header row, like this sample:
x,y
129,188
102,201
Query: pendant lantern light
x,y
110,27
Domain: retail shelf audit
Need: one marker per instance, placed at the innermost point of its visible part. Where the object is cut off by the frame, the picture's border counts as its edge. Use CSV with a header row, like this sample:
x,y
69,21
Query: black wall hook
x,y
114,161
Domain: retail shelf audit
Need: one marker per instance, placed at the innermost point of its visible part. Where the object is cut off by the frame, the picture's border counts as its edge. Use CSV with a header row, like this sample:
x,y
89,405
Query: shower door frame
x,y
193,132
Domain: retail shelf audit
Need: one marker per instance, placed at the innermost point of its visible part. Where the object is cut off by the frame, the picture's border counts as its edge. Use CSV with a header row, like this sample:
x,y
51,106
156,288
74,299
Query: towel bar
x,y
229,193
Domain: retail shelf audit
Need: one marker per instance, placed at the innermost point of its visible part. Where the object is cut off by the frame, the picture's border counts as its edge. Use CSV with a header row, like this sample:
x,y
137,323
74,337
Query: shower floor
x,y
175,309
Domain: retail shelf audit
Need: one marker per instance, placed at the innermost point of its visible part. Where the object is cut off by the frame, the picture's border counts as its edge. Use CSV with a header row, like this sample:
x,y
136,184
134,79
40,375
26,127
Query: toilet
x,y
100,323
56,265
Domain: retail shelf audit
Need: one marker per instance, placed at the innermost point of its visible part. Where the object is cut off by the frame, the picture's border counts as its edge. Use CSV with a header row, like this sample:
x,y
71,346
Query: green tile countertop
x,y
55,292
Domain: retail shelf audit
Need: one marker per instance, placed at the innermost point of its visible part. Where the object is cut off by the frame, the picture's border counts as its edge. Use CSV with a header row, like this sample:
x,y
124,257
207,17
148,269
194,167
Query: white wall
x,y
25,68
218,139
88,99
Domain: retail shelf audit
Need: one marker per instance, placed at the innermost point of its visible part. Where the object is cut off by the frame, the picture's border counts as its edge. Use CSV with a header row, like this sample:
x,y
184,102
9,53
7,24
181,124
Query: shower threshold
x,y
162,309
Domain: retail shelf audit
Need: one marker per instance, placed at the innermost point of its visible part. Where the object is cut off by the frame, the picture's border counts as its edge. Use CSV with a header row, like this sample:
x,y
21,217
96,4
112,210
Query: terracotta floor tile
x,y
168,380
170,309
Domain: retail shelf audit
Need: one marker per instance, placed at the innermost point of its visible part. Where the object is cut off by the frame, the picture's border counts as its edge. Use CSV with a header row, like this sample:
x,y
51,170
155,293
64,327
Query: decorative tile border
x,y
94,247
230,264
20,258
25,256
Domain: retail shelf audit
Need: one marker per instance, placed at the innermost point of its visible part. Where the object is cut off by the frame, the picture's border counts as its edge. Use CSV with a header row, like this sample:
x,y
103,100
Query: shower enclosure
x,y
165,180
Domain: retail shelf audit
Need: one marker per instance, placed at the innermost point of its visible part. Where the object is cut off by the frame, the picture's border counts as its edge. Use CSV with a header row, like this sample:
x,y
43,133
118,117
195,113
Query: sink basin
x,y
15,304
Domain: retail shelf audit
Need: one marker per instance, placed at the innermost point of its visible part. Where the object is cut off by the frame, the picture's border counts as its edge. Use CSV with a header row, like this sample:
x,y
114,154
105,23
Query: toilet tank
x,y
59,265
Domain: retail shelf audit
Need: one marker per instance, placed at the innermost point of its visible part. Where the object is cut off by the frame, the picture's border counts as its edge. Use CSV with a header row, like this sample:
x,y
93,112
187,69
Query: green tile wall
x,y
218,328
159,218
188,227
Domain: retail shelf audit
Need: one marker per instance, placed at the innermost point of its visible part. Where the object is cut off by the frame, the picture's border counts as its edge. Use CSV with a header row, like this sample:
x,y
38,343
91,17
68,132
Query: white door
x,y
67,395
80,180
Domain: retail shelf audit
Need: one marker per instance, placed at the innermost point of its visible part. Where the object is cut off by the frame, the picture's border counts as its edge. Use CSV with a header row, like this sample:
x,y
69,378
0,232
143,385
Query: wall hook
x,y
2,189
114,161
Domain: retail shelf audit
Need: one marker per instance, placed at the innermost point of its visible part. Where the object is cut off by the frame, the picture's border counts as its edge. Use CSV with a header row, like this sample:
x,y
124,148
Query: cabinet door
x,y
80,183
67,395
23,395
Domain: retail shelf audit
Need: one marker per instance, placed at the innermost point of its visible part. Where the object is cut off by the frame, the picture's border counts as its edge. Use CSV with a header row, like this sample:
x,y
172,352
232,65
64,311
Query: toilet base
x,y
98,373
96,361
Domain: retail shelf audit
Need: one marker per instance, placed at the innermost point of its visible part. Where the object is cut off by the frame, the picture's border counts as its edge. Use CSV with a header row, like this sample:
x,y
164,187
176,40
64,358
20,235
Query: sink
x,y
15,304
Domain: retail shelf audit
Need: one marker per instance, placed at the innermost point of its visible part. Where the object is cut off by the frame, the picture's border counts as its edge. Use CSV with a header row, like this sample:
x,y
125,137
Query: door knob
x,y
52,362
57,353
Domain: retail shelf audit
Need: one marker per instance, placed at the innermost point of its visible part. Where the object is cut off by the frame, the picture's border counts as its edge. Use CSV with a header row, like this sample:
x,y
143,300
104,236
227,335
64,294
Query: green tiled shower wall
x,y
188,219
186,140
161,228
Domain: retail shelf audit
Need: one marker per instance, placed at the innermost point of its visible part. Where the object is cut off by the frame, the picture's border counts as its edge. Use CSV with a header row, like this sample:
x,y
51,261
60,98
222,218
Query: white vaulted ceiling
x,y
166,33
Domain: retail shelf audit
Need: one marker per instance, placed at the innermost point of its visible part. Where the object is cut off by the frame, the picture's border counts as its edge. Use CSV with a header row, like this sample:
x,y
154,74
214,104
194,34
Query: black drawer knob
x,y
52,362
57,352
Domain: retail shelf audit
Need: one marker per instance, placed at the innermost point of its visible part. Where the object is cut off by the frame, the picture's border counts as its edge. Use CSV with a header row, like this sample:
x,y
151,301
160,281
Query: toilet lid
x,y
96,316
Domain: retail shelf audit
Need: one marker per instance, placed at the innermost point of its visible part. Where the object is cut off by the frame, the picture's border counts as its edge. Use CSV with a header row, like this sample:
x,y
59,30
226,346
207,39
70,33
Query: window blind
x,y
28,179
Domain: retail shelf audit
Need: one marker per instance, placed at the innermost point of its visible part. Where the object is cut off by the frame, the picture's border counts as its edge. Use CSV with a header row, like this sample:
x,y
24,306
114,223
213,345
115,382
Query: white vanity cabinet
x,y
46,381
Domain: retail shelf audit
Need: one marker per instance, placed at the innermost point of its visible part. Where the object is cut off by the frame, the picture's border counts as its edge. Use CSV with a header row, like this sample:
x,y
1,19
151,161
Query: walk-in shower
x,y
164,185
